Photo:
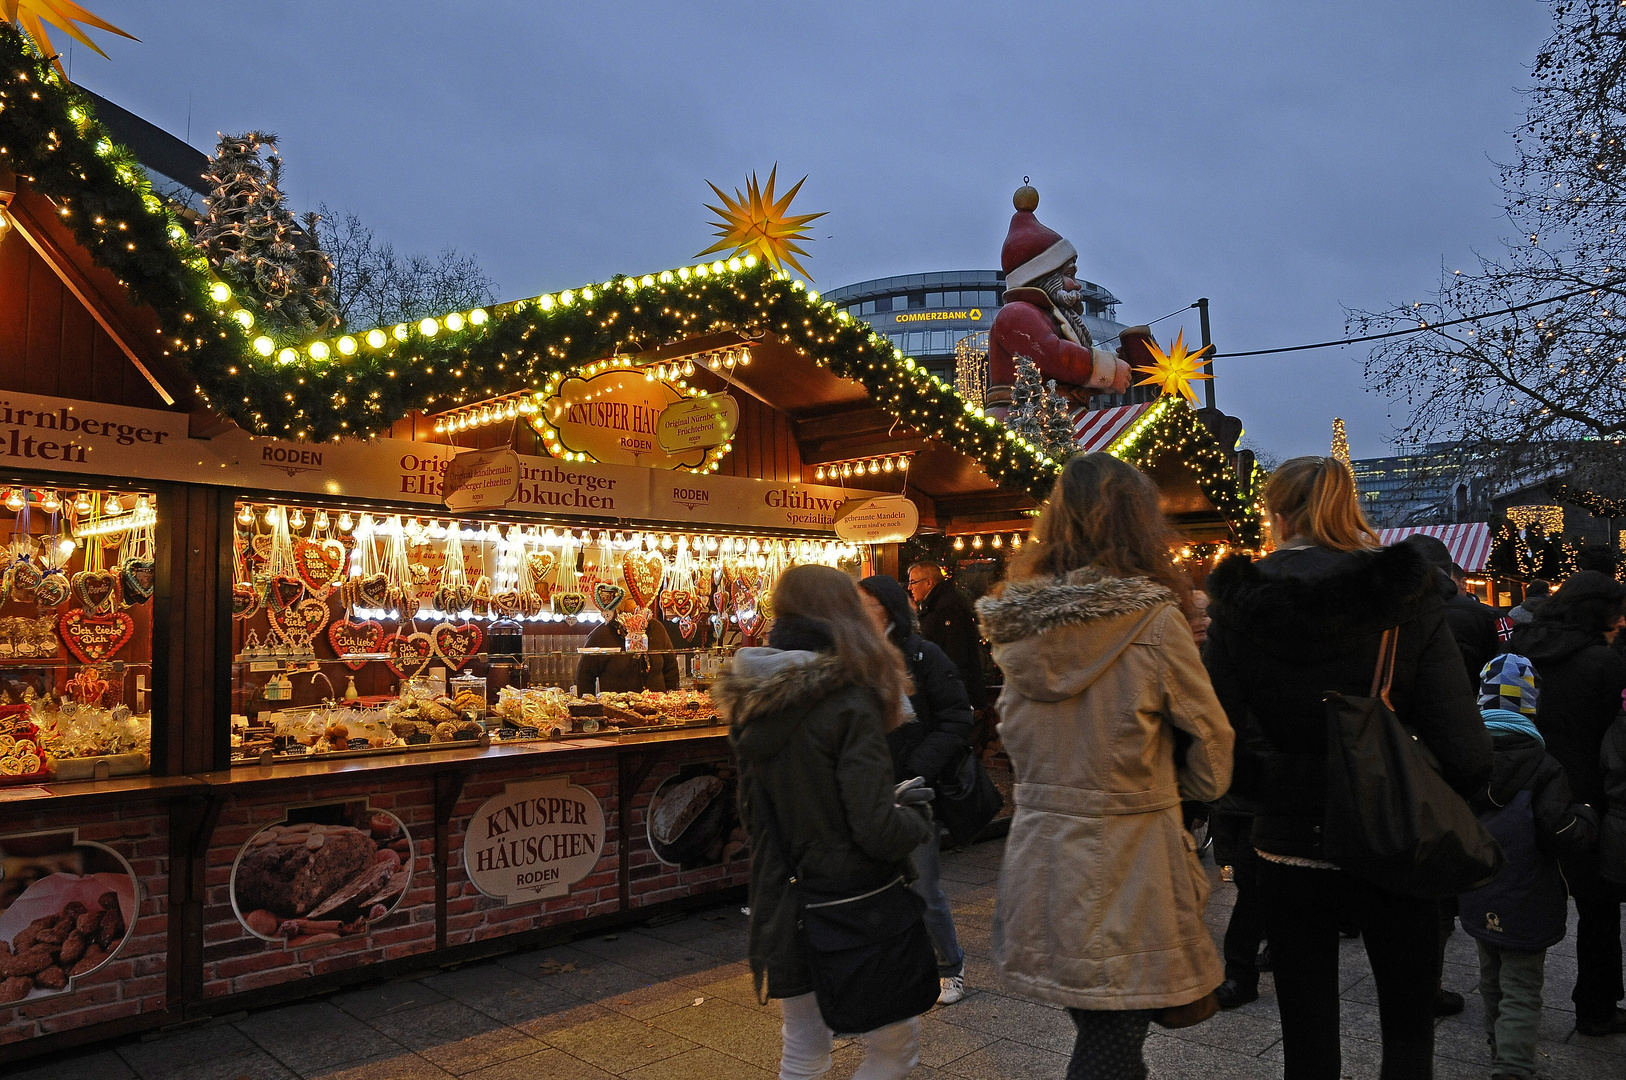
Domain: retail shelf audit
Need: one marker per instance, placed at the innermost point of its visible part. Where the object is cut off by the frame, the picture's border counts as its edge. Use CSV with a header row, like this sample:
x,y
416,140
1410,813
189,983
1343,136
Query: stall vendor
x,y
628,672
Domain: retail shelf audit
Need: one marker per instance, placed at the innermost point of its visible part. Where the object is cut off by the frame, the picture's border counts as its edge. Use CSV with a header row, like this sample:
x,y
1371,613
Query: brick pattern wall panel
x,y
655,881
235,960
472,916
133,981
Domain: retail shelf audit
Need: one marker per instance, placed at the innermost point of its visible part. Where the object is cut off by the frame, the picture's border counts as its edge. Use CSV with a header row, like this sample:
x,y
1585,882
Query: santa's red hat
x,y
1031,251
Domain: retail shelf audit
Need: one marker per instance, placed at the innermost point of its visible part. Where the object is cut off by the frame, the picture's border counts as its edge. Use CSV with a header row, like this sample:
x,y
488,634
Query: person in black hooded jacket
x,y
927,744
1306,620
1582,678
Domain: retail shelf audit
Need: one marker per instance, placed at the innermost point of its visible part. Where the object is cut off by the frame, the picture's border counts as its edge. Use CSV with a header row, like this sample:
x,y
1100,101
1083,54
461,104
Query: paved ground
x,y
674,1002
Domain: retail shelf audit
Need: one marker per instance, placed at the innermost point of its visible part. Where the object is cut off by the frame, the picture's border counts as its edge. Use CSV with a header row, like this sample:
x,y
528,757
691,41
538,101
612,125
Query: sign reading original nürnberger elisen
x,y
533,841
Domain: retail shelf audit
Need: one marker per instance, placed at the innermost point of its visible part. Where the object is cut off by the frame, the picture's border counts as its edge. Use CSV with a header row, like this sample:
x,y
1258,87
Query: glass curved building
x,y
927,315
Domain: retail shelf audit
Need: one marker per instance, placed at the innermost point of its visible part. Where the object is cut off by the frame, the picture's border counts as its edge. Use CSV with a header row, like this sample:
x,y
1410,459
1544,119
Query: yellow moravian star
x,y
1175,370
64,14
755,223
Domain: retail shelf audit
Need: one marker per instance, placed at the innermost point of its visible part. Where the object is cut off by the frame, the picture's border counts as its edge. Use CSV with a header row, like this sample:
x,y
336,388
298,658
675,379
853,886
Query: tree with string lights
x,y
1039,412
255,243
1543,389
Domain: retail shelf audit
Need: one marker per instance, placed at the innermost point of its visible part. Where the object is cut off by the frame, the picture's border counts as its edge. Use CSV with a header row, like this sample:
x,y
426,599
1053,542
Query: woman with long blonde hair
x,y
808,718
1101,894
1287,630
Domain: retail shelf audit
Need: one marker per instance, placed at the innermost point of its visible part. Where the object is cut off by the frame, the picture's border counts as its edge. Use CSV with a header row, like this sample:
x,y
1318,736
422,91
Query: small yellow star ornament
x,y
1175,370
61,13
755,223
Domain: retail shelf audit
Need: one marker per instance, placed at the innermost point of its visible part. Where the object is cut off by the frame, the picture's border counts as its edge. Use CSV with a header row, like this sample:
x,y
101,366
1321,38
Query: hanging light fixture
x,y
51,502
82,503
15,500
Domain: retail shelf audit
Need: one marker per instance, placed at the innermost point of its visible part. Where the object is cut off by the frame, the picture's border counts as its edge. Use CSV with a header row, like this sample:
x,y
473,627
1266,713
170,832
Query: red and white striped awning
x,y
1469,544
1095,429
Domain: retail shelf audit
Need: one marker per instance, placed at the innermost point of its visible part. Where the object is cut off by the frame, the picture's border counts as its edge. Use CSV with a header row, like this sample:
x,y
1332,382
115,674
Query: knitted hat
x,y
1509,682
1031,251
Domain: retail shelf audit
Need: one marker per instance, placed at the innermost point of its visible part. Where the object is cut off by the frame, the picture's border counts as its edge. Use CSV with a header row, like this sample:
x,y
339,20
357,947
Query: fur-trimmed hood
x,y
1032,606
1054,636
1313,595
767,692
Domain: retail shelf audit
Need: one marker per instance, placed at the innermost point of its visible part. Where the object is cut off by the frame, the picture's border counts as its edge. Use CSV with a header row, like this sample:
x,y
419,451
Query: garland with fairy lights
x,y
1170,427
1590,501
358,385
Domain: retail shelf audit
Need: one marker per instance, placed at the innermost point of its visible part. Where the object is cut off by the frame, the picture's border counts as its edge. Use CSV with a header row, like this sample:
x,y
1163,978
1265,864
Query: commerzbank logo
x,y
938,316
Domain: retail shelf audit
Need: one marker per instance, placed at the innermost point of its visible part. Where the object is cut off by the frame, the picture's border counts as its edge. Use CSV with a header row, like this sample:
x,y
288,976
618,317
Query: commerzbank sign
x,y
938,316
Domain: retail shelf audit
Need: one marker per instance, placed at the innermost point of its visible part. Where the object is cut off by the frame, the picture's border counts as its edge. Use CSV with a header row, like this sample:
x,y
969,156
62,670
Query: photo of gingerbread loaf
x,y
289,869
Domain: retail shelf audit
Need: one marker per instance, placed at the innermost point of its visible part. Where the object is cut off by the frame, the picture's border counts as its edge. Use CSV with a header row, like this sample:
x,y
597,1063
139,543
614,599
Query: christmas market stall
x,y
328,653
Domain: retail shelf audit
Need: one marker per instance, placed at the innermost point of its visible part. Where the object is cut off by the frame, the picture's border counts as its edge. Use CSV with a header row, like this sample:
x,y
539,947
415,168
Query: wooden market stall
x,y
286,709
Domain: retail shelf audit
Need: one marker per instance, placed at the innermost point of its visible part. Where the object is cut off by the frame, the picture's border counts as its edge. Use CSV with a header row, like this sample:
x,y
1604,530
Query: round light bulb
x,y
66,547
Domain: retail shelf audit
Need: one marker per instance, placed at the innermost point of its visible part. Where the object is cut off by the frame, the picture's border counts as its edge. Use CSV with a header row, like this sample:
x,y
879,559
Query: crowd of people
x,y
1129,697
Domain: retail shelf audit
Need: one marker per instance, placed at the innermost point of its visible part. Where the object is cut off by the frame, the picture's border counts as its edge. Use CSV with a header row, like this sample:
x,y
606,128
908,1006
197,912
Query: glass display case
x,y
364,631
76,592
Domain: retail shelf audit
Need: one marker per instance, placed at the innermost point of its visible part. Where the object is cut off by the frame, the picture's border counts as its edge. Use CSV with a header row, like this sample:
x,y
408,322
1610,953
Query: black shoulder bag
x,y
967,799
1391,818
867,949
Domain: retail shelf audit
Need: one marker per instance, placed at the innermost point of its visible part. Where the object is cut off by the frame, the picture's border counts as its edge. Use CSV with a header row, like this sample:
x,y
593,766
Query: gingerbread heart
x,y
686,627
532,604
97,590
539,564
678,602
609,597
245,601
569,603
643,574
409,653
299,624
25,579
53,590
261,547
349,638
749,576
373,590
137,578
93,640
505,603
285,592
456,644
319,562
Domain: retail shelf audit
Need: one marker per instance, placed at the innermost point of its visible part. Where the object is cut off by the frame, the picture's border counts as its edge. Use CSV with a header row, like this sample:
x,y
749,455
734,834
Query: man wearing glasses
x,y
947,621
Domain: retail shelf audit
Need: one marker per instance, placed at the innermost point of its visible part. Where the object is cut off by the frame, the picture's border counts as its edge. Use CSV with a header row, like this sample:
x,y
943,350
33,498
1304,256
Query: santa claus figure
x,y
1043,319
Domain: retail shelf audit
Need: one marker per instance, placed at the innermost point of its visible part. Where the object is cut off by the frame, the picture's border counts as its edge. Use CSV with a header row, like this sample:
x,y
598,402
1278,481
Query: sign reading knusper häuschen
x,y
535,840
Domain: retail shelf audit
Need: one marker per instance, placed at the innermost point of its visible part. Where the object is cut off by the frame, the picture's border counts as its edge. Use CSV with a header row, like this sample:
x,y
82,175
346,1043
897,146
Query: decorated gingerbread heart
x,y
97,591
609,597
678,602
53,590
137,579
373,590
261,547
569,602
643,574
686,627
409,653
505,603
319,562
285,592
245,601
349,638
25,578
539,565
300,623
93,640
456,644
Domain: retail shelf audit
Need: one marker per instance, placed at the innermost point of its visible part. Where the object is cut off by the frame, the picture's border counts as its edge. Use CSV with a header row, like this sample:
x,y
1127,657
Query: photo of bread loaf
x,y
322,874
692,818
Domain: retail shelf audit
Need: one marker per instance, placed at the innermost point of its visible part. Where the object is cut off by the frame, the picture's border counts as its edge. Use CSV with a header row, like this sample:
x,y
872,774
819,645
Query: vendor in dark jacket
x,y
1472,623
927,744
631,671
1287,629
808,718
1582,678
947,621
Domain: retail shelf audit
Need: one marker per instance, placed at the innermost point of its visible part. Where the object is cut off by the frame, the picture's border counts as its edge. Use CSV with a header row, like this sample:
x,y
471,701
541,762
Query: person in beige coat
x,y
1109,720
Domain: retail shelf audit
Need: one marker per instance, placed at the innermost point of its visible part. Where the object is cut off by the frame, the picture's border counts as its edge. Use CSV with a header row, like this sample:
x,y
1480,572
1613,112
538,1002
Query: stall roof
x,y
1469,543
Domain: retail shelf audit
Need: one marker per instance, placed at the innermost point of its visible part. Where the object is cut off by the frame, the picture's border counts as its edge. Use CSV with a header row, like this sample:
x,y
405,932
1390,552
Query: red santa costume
x,y
1030,324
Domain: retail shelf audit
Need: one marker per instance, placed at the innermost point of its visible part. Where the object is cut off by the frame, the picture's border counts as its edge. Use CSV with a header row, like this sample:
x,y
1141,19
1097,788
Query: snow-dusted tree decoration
x,y
1039,412
255,244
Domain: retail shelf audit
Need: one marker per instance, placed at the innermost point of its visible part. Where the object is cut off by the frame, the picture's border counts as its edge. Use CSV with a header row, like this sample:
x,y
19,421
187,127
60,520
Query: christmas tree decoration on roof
x,y
1039,412
32,15
255,244
756,223
1174,372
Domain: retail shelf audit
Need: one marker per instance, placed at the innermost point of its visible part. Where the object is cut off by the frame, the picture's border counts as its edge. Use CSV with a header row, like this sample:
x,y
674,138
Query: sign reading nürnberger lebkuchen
x,y
535,840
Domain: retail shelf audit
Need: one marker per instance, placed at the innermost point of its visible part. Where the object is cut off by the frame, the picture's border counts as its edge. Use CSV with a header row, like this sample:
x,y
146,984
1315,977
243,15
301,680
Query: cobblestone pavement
x,y
674,1002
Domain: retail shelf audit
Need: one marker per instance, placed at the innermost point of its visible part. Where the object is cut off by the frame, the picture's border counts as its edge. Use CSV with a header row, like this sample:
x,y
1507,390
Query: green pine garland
x,y
1170,426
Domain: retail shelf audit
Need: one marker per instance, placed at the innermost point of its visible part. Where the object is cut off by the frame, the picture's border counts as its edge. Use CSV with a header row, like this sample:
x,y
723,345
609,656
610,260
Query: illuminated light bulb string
x,y
870,466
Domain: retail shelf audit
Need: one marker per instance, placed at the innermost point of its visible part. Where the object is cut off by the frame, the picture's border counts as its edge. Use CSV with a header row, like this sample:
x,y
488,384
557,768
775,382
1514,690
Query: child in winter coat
x,y
1528,807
